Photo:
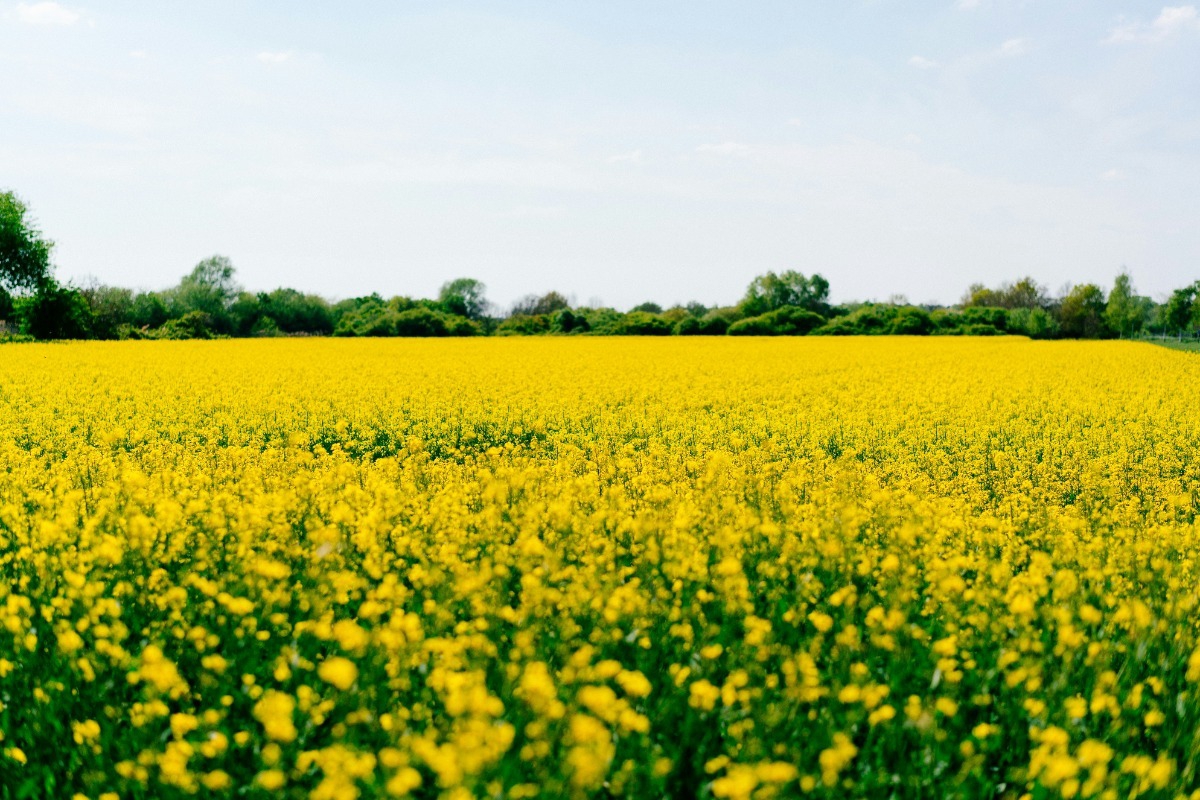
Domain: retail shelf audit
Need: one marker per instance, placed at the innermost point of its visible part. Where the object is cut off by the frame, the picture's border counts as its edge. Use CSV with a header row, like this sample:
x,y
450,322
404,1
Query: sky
x,y
615,151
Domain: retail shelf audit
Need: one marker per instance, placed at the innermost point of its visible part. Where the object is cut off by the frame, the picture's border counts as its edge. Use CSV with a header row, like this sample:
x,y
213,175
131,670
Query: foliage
x,y
192,325
109,308
1125,313
401,317
1082,313
524,325
710,324
643,323
1181,309
784,321
770,292
534,306
24,252
567,321
1036,323
56,311
1025,293
464,297
148,310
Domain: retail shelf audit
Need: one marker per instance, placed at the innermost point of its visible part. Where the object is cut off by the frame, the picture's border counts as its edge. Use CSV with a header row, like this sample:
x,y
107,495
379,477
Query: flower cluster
x,y
548,568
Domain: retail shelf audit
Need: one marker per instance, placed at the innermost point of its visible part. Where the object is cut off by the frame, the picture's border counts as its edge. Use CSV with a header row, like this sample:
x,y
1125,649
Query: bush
x,y
55,312
1036,323
838,326
420,322
910,321
785,321
192,325
265,327
567,321
643,323
524,325
948,321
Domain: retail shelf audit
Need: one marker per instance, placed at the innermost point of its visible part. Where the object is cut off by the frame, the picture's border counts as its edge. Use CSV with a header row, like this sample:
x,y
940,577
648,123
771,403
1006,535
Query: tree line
x,y
208,303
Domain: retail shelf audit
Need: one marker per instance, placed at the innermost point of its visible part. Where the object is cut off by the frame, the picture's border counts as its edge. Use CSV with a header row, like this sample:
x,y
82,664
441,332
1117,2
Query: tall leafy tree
x,y
770,291
1081,313
1181,309
1025,293
211,289
465,297
532,304
1125,313
24,252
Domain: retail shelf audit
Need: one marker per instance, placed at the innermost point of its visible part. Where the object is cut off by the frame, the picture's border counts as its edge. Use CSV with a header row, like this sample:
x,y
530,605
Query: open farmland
x,y
599,568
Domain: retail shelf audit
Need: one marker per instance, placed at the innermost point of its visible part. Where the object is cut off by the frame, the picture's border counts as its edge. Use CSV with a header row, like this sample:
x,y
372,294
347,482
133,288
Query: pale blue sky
x,y
619,151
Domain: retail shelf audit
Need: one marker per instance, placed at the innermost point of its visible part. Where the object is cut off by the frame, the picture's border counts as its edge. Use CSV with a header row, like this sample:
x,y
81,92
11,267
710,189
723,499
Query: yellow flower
x,y
216,780
946,706
633,683
270,779
275,711
338,671
183,724
403,782
822,622
703,695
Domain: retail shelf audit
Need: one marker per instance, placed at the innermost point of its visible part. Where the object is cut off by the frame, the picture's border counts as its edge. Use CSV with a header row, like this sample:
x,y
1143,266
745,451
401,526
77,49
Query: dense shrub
x,y
785,321
192,325
567,321
524,325
54,312
643,323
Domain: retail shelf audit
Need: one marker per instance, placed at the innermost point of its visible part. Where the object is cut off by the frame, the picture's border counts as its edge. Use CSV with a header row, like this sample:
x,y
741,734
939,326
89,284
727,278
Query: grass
x,y
1175,344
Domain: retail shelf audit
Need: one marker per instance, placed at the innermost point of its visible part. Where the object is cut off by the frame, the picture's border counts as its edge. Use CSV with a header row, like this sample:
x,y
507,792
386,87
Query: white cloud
x,y
725,149
920,62
273,58
1111,175
138,54
1170,21
1013,47
46,14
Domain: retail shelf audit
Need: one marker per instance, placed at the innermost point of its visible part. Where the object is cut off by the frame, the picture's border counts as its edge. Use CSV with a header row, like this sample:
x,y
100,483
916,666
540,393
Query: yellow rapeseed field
x,y
566,568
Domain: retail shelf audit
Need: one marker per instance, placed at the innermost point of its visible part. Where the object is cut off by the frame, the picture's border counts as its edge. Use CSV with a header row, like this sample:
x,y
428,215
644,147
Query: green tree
x,y
1024,293
111,309
770,292
6,305
532,305
1081,313
465,297
148,310
1180,311
55,312
210,288
1124,313
24,253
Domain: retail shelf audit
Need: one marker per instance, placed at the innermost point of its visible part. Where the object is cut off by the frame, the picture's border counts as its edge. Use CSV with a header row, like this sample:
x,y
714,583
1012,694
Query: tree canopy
x,y
464,297
24,252
769,292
